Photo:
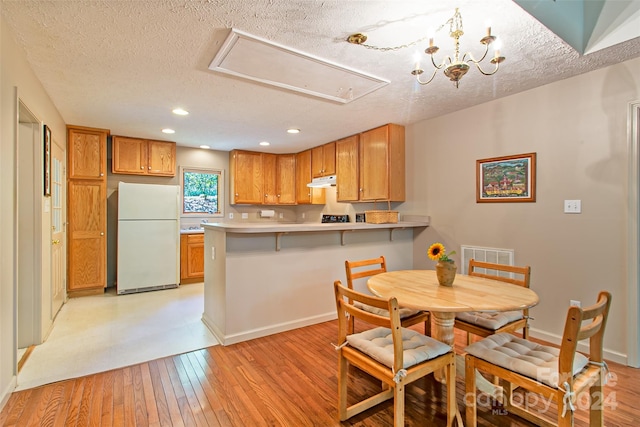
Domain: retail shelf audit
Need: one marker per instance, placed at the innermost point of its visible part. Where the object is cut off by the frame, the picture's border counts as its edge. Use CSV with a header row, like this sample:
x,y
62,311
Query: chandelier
x,y
454,67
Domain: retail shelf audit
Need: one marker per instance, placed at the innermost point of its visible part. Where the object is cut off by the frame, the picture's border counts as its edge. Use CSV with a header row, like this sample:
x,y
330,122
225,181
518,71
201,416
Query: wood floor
x,y
287,379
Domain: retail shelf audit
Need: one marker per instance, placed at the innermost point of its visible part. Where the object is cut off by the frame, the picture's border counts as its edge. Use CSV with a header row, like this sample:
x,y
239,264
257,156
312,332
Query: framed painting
x,y
47,161
506,179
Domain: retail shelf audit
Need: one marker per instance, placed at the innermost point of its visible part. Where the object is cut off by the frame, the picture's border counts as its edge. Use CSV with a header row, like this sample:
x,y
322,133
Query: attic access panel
x,y
253,58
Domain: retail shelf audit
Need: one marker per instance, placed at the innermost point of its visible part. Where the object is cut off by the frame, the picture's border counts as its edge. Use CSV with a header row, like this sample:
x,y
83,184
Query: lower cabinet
x,y
191,258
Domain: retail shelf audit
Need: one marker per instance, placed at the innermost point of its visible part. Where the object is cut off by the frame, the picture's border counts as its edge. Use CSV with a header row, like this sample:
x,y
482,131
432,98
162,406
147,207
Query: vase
x,y
446,272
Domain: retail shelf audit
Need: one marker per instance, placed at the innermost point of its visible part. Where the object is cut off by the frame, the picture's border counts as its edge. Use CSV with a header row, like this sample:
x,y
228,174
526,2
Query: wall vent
x,y
493,255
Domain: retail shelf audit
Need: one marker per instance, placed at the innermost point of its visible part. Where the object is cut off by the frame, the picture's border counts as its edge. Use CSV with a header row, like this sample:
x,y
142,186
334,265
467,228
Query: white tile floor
x,y
98,333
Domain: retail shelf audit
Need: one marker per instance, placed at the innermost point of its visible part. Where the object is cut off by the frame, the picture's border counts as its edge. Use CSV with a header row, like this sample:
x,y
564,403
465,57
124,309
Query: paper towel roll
x,y
267,213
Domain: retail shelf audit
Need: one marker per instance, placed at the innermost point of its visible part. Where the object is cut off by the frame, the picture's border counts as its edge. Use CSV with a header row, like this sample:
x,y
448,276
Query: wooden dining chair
x,y
488,323
395,355
561,375
369,267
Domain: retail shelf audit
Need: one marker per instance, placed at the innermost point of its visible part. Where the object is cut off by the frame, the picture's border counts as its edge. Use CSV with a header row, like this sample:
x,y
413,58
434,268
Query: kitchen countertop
x,y
191,230
275,227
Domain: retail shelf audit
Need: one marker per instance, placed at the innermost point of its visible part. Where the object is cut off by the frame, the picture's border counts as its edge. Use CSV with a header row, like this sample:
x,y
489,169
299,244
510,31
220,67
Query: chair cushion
x,y
490,319
523,357
404,312
378,343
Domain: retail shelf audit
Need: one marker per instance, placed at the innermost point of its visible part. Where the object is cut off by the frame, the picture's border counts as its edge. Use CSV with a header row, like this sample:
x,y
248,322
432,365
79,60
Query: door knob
x,y
55,242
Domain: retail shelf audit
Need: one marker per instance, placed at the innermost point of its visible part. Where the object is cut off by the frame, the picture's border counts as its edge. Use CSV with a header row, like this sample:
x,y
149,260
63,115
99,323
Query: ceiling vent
x,y
250,57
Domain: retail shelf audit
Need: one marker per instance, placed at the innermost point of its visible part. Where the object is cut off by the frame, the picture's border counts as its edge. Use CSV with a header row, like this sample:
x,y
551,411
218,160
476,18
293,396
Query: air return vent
x,y
493,255
250,57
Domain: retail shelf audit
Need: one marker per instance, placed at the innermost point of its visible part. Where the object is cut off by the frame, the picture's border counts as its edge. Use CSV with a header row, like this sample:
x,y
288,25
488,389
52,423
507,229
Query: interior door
x,y
58,235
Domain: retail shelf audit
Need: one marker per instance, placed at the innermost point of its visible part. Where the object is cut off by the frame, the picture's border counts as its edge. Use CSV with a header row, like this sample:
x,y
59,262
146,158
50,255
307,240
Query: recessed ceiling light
x,y
180,112
205,147
264,143
293,130
168,130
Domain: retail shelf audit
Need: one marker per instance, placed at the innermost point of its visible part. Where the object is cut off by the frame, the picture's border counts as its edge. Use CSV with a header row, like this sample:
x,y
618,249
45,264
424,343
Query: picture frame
x,y
47,161
506,179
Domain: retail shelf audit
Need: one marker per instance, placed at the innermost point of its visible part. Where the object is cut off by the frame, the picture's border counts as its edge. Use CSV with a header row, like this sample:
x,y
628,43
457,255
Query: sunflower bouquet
x,y
437,252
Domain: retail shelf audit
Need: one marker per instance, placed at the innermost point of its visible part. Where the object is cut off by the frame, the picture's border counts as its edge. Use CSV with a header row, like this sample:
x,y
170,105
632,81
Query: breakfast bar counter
x,y
265,278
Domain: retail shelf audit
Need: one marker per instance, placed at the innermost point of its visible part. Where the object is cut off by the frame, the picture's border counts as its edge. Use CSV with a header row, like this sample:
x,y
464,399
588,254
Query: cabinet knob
x,y
141,167
149,168
278,195
101,174
236,194
102,233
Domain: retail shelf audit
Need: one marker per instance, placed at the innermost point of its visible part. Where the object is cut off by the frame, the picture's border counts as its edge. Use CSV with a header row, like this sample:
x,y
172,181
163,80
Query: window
x,y
202,192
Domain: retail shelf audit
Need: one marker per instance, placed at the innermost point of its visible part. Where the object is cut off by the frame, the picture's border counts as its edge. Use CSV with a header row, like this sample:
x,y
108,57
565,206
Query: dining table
x,y
420,290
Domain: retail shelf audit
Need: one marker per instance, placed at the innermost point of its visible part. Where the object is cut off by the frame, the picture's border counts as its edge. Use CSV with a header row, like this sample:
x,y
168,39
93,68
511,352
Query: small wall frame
x,y
506,179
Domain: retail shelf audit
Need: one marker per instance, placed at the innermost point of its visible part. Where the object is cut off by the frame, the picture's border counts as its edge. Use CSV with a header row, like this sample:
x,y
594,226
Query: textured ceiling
x,y
124,65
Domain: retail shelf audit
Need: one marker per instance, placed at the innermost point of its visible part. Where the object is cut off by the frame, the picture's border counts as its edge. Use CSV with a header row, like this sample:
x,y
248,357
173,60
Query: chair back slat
x,y
354,269
523,278
575,331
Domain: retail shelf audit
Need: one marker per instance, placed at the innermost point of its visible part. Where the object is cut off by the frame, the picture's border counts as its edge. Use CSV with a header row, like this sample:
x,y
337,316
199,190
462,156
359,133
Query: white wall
x,y
578,128
14,73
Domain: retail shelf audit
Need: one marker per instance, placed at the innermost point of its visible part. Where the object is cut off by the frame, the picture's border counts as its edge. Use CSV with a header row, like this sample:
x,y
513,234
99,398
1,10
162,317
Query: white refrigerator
x,y
148,237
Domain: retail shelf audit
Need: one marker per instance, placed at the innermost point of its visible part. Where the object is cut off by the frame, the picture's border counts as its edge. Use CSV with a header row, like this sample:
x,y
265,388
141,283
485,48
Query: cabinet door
x,y
269,166
374,164
317,162
86,153
329,158
191,258
303,177
161,158
129,155
286,182
86,234
347,177
247,177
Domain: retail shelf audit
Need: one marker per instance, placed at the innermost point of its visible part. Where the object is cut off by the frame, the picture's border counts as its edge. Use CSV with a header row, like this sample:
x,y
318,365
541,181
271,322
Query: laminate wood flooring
x,y
286,379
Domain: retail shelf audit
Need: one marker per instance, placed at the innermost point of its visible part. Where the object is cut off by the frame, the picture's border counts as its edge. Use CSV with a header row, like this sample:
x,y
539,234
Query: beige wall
x,y
15,73
578,128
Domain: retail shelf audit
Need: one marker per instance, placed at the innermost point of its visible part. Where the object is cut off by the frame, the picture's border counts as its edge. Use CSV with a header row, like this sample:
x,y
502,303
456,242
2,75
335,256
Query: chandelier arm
x,y
428,81
488,73
472,59
442,64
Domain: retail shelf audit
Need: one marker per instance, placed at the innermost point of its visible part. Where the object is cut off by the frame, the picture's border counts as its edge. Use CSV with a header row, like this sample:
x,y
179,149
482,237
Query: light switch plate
x,y
245,215
572,206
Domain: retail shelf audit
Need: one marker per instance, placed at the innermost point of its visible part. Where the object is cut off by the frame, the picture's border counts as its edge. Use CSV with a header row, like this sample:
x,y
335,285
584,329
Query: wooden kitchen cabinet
x,y
286,179
86,210
191,258
87,153
304,194
136,156
347,175
323,160
382,164
247,177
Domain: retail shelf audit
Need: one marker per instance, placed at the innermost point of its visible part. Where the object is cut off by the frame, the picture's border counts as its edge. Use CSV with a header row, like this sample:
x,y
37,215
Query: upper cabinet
x,y
247,179
323,160
382,164
347,175
87,153
135,156
304,194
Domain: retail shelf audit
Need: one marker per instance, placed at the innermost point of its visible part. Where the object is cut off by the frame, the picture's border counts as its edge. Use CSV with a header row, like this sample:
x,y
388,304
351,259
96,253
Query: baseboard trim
x,y
6,393
267,330
611,355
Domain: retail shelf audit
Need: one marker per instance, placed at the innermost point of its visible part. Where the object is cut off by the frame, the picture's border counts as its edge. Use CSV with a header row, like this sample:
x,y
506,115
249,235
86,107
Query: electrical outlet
x,y
572,206
245,215
230,215
302,215
213,252
574,302
280,215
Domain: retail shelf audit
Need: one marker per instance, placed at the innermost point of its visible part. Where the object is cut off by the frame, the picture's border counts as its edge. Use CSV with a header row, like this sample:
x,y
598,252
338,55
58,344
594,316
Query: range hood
x,y
323,181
